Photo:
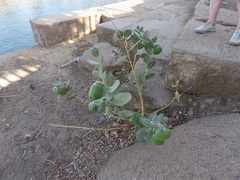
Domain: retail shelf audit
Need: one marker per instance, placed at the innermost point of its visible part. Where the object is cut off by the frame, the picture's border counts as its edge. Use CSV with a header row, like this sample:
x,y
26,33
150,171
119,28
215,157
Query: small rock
x,y
29,137
102,118
209,101
7,126
170,126
190,112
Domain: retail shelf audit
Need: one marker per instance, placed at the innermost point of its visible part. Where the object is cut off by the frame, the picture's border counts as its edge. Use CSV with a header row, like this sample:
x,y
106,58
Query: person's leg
x,y
235,40
209,26
238,7
214,7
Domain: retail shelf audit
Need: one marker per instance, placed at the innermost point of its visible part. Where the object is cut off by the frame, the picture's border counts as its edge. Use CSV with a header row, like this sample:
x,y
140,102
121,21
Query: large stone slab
x,y
154,93
225,17
166,23
105,31
206,148
205,62
53,29
50,30
109,61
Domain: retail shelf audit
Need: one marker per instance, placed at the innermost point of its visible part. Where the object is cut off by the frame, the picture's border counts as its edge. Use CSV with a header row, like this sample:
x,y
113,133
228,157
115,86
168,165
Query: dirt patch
x,y
30,148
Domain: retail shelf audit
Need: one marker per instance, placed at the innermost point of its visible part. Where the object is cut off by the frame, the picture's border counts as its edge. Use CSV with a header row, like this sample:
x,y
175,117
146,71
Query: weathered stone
x,y
53,29
205,148
105,31
226,4
225,17
154,93
110,62
161,25
208,64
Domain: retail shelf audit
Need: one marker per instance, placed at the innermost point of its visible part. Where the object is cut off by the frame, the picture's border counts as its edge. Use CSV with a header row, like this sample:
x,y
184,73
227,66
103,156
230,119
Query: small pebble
x,y
170,126
7,126
29,137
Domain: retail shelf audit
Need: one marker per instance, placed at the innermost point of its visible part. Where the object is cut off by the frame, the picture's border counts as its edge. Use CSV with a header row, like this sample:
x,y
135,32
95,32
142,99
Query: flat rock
x,y
105,31
225,17
204,148
154,93
110,62
166,23
50,30
206,62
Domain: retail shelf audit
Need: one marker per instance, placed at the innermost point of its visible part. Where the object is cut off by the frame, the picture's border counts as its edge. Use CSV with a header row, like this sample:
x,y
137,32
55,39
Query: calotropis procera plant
x,y
106,95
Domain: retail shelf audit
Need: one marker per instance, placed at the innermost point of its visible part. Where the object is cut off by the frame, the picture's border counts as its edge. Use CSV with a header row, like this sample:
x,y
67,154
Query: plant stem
x,y
80,99
134,45
101,71
175,98
164,107
122,118
136,79
85,128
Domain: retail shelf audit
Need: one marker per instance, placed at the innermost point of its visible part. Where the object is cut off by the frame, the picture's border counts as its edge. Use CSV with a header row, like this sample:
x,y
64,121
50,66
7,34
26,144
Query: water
x,y
15,29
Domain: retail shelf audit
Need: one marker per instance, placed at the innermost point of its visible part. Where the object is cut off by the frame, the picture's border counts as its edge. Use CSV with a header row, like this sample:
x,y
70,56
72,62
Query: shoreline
x,y
106,9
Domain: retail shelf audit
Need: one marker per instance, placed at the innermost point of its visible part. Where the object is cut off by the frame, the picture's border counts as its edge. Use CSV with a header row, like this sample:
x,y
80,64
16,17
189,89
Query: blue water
x,y
15,29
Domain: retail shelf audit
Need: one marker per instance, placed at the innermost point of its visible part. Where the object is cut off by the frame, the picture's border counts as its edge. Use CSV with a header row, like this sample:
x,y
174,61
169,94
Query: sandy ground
x,y
30,148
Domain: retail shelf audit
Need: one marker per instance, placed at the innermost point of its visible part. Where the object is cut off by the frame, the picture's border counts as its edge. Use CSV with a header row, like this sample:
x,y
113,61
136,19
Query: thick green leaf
x,y
135,131
117,91
156,142
127,33
157,49
134,38
136,119
162,134
146,122
114,86
109,96
149,134
154,117
146,58
149,75
119,34
123,78
151,64
154,40
97,74
140,45
141,135
121,98
92,62
142,78
95,52
125,113
148,50
162,119
110,79
148,43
